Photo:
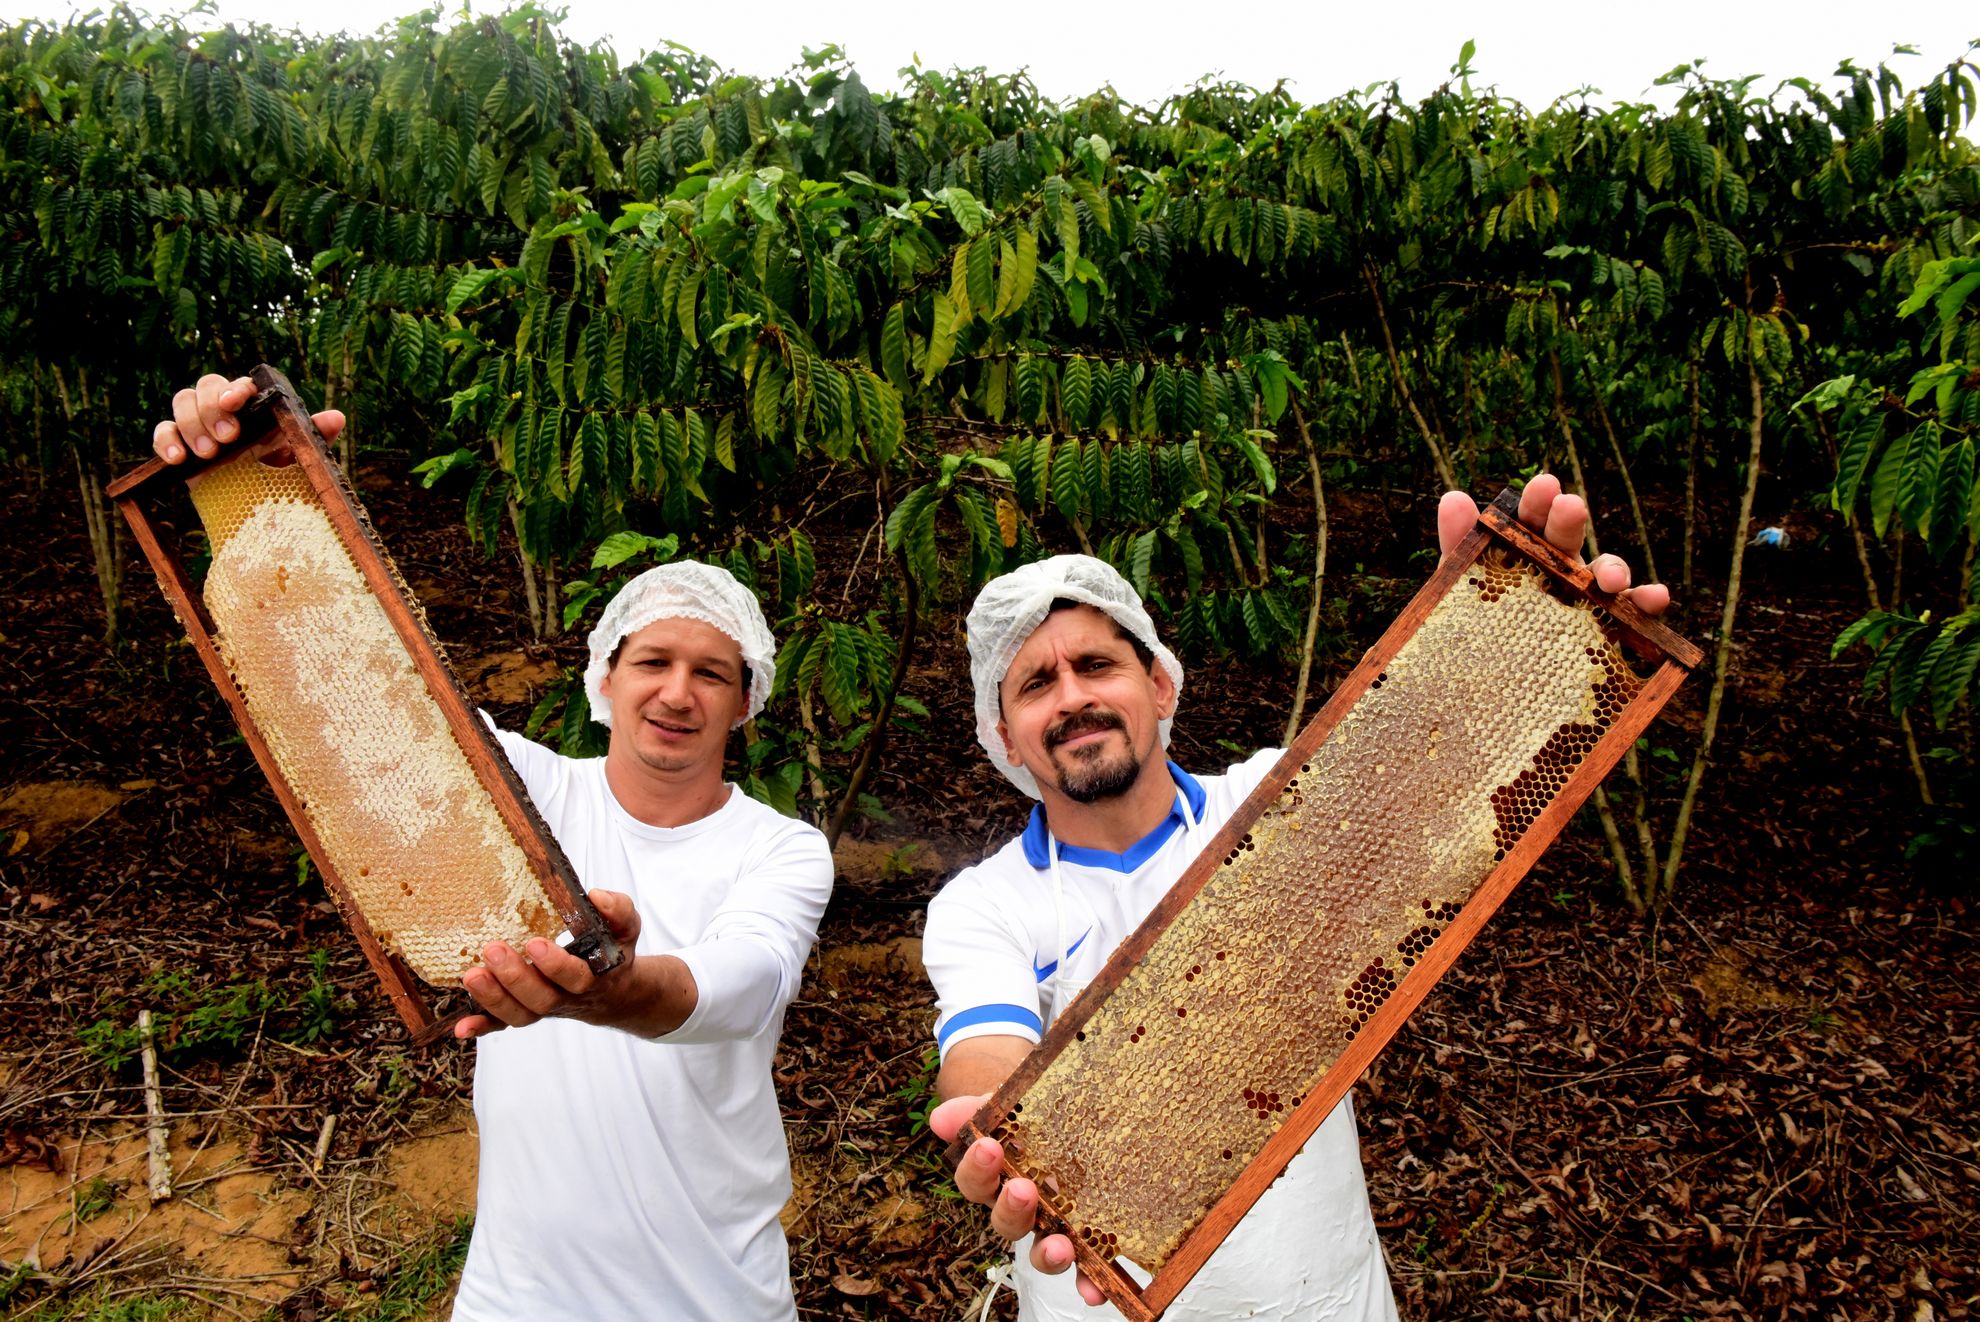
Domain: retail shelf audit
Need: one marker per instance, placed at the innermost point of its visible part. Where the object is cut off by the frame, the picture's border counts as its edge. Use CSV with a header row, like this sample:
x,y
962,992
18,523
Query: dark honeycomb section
x,y
1321,912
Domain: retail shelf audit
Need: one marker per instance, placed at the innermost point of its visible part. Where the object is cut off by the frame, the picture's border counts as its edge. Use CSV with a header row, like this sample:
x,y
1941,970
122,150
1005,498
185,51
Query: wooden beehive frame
x,y
276,429
1671,657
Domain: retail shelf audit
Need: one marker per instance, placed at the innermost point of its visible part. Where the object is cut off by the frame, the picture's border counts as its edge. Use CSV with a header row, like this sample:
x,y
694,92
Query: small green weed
x,y
94,1198
918,1093
188,1019
422,1279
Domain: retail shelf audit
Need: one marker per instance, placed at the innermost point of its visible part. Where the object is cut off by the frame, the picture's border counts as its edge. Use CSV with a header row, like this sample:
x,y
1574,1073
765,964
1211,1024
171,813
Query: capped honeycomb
x,y
1238,1009
408,827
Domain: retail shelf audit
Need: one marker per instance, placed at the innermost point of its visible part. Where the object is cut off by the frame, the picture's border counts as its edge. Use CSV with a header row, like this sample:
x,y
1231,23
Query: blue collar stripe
x,y
1015,1015
1036,846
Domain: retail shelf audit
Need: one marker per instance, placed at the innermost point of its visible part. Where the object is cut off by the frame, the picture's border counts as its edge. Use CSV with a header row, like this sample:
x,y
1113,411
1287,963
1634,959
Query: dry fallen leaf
x,y
856,1286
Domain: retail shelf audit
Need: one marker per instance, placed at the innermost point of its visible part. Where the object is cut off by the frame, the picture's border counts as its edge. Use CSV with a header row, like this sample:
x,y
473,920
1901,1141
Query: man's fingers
x,y
561,967
1051,1254
1536,498
1611,572
165,443
1090,1292
1651,598
502,987
218,399
185,413
1457,515
980,1171
1567,524
619,913
494,999
1016,1211
948,1119
329,423
470,1026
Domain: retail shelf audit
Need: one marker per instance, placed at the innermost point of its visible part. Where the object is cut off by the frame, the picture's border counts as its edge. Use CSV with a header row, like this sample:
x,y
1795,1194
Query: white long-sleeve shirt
x,y
1007,951
625,1177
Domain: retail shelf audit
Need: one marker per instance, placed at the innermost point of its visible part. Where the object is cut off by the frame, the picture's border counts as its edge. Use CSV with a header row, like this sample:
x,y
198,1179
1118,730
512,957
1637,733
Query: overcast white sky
x,y
1533,51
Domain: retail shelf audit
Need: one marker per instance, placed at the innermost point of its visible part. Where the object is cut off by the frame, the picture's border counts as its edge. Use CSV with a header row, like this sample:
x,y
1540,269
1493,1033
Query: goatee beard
x,y
1091,778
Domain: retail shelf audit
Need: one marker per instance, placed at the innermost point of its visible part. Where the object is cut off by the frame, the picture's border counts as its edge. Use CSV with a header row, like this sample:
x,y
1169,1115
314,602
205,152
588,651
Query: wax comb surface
x,y
1172,1076
409,809
344,710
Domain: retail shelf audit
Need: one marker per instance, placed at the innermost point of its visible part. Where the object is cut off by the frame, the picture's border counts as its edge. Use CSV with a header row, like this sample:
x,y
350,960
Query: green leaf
x,y
962,204
1069,480
1141,560
623,546
1884,485
440,465
1830,394
684,308
1261,464
893,347
941,338
470,287
1076,391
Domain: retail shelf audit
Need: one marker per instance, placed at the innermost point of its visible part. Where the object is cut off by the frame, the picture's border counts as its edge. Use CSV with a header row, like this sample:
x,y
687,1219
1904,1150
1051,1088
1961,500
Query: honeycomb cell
x,y
358,736
1321,913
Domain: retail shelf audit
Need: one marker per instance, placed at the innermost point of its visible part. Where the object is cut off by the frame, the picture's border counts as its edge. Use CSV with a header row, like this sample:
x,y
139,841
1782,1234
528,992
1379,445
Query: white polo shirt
x,y
630,1178
996,938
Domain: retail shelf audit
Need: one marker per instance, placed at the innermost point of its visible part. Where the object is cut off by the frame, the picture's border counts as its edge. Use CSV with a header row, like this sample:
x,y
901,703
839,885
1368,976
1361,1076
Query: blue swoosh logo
x,y
1053,967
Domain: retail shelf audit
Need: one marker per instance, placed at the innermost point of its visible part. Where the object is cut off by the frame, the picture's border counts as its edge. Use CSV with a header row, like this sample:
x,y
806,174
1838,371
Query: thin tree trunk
x,y
1691,480
1622,467
347,439
1917,762
1562,421
1618,854
1820,426
553,614
903,654
1722,663
1319,575
530,595
1464,416
106,542
1354,368
1445,473
1638,897
814,763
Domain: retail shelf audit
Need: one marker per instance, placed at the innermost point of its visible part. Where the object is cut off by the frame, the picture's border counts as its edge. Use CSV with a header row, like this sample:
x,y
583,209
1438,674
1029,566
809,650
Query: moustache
x,y
1079,723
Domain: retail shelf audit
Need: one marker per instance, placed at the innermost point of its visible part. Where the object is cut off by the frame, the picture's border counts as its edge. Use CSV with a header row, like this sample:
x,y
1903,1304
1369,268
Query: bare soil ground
x,y
1760,1106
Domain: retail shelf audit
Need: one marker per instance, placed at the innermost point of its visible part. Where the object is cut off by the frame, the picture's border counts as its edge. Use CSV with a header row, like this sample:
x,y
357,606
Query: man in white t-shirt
x,y
633,1161
1075,694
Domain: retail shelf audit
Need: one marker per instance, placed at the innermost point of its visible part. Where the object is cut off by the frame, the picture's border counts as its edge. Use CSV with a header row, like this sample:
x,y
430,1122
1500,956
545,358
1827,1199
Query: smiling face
x,y
1082,711
677,687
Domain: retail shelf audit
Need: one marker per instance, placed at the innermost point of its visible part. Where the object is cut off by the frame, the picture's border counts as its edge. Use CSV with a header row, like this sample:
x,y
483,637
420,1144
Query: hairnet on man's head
x,y
687,590
1012,606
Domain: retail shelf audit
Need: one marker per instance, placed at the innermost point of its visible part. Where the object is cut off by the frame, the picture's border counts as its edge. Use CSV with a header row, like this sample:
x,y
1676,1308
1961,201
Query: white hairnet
x,y
1012,605
689,590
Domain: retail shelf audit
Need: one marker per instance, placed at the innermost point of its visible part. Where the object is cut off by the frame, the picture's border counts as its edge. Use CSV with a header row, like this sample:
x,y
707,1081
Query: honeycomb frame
x,y
1172,1092
280,484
